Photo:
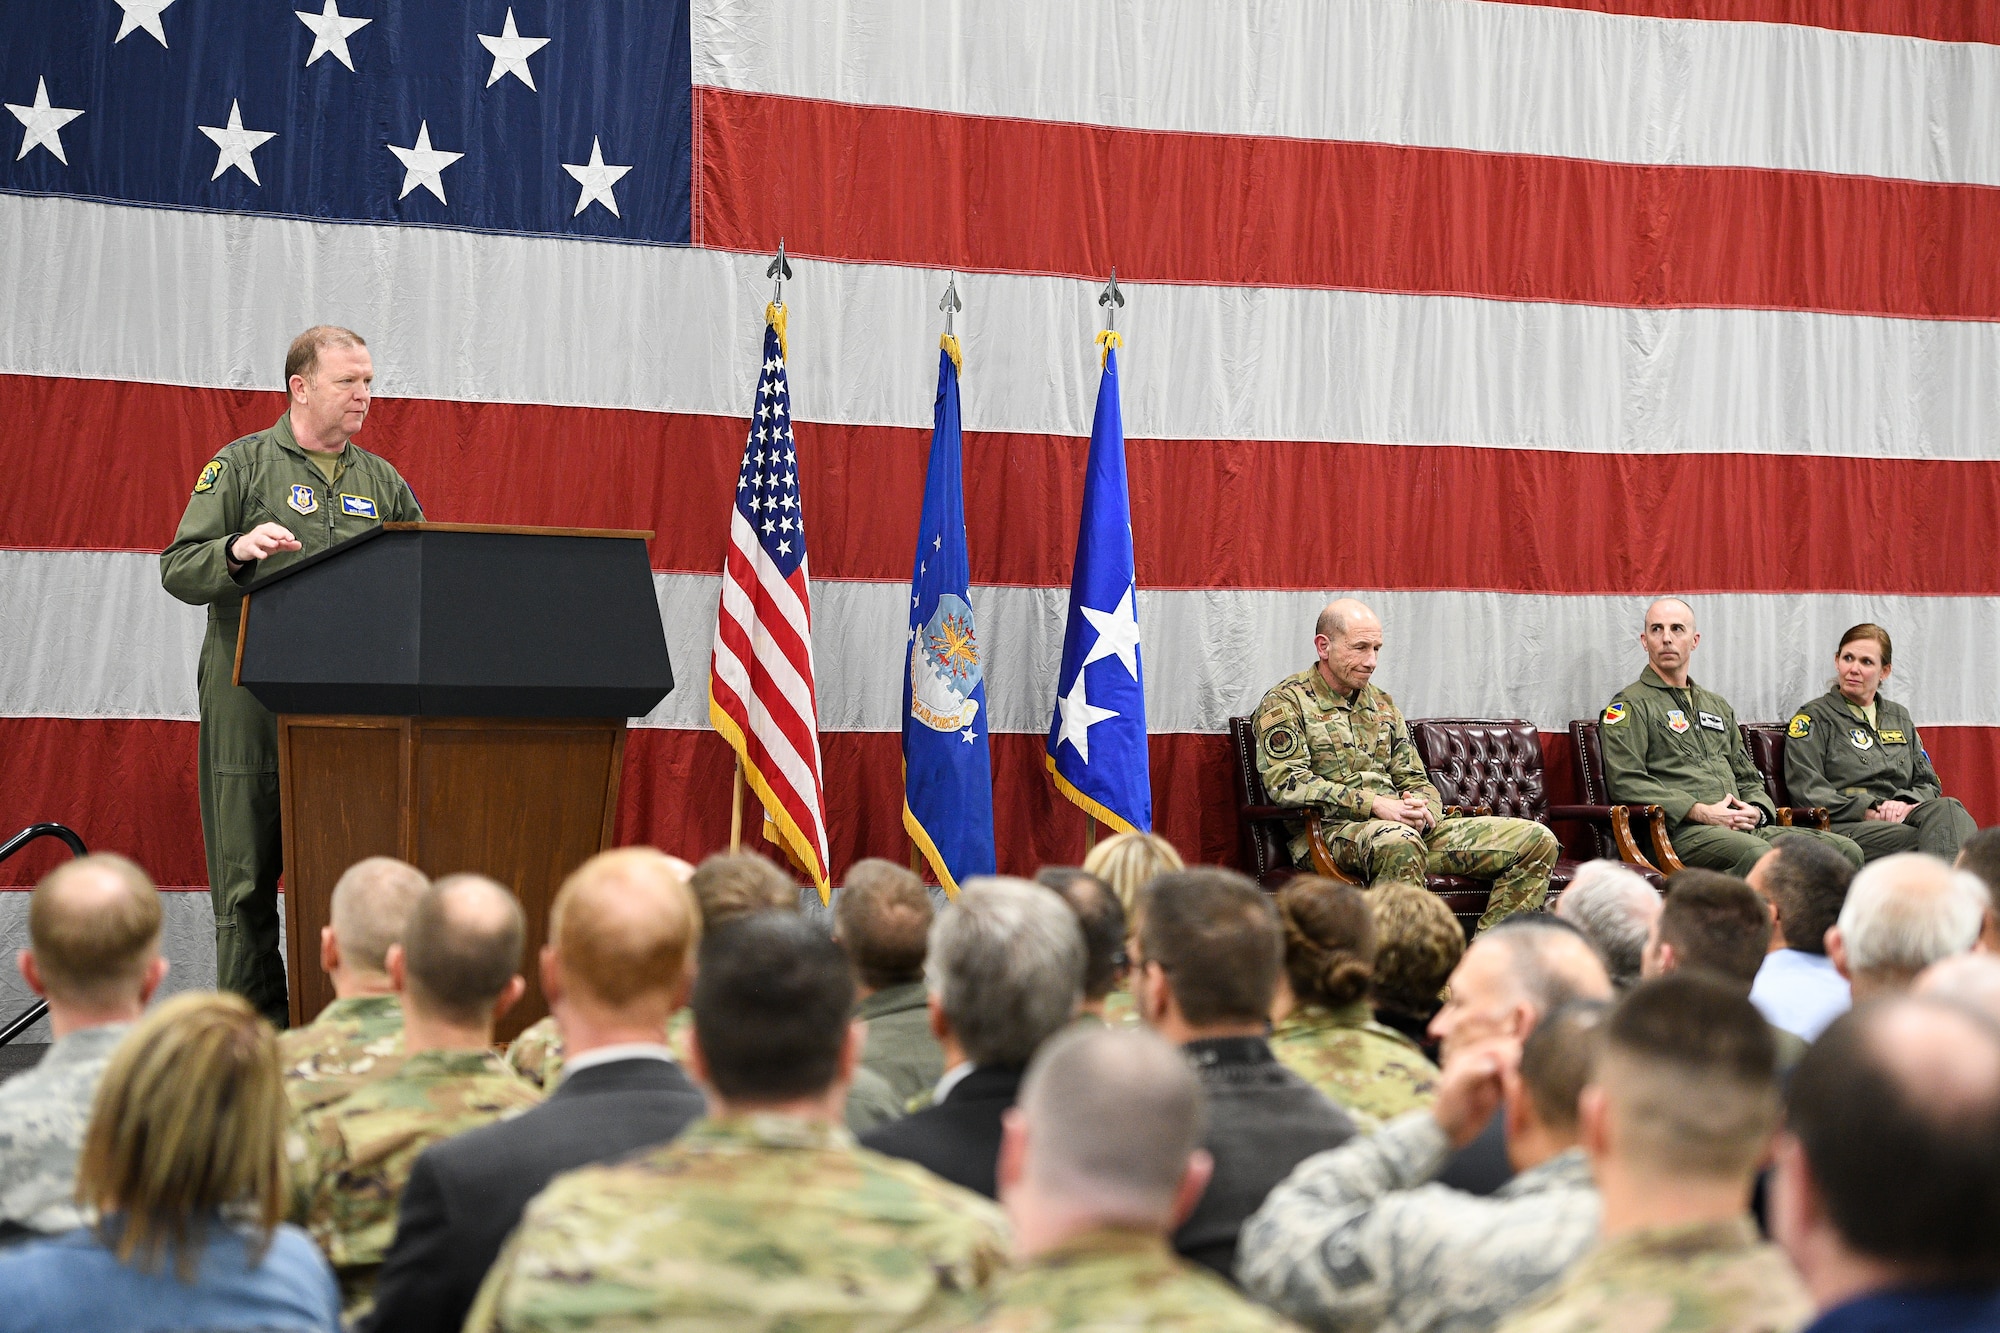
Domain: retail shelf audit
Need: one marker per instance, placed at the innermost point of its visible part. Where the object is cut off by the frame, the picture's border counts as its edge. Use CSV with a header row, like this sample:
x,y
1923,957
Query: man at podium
x,y
264,502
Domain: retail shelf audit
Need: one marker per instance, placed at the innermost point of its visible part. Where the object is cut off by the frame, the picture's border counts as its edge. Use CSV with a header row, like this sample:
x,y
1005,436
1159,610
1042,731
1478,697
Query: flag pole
x,y
1111,298
736,809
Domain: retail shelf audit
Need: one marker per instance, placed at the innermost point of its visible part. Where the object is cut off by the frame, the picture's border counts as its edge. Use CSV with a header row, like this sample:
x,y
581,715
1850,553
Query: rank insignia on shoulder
x,y
1894,738
357,504
303,499
206,481
1677,721
1281,742
1801,727
1613,714
1861,738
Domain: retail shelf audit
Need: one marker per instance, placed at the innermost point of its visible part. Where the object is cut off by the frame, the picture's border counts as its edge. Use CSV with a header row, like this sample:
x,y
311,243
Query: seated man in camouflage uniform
x,y
764,1215
456,971
1100,1162
1328,739
362,1030
1669,742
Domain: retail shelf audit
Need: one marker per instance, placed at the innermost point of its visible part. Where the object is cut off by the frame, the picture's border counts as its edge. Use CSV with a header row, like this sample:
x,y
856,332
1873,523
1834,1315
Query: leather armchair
x,y
1499,764
1766,743
1638,824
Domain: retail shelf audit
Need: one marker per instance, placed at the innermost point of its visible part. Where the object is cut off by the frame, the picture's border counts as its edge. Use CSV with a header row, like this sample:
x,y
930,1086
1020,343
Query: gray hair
x,y
1615,908
1968,979
371,905
1113,1116
1550,960
1006,963
1907,911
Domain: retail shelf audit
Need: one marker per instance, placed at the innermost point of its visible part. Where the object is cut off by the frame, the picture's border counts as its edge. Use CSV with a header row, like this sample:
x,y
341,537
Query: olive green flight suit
x,y
261,478
1677,748
1835,758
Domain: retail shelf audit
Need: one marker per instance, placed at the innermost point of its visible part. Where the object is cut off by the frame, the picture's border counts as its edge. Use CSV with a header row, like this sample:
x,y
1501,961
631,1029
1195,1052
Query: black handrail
x,y
15,844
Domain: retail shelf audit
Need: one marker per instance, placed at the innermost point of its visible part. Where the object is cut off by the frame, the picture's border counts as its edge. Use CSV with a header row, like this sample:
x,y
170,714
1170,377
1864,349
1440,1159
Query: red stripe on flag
x,y
1937,20
833,180
1205,513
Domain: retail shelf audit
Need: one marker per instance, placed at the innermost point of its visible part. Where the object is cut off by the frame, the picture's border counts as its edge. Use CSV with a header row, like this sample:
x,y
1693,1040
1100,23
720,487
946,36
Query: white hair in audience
x,y
1006,963
1113,1116
1907,911
1614,907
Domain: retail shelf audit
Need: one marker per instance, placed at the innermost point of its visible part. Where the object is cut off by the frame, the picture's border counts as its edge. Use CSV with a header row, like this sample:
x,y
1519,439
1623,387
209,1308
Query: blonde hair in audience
x,y
1127,862
188,1121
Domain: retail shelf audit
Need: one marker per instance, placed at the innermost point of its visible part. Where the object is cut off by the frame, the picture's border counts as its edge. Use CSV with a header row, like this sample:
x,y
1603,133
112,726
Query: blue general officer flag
x,y
1097,740
947,770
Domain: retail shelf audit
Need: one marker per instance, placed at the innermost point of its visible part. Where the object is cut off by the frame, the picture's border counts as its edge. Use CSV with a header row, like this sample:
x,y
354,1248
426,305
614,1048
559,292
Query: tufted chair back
x,y
1590,776
1474,762
1766,742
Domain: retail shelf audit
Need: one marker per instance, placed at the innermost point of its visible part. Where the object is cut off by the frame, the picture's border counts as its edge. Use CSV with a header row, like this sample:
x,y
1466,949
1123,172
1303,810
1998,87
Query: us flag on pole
x,y
760,680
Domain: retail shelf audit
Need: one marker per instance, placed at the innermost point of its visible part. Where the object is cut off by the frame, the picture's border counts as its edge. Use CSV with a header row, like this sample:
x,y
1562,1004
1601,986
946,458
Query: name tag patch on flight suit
x,y
1712,722
1677,721
206,481
1894,738
1801,727
357,504
1861,739
303,499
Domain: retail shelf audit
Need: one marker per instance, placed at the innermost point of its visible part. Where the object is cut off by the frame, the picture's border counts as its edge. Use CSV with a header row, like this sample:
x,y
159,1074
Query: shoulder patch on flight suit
x,y
1677,721
206,481
1894,738
303,499
1801,727
1281,742
1614,714
357,504
1861,739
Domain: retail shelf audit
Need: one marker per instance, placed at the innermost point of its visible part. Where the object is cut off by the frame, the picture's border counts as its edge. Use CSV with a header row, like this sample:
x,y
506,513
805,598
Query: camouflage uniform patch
x,y
1348,752
537,1054
758,1222
1715,1276
351,1041
43,1114
352,1157
1374,1072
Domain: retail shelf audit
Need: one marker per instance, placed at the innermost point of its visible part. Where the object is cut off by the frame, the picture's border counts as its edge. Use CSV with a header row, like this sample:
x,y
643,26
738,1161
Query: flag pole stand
x,y
736,809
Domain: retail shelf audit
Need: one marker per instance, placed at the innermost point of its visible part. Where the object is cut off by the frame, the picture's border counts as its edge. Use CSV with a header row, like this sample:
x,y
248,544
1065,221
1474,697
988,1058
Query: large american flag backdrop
x,y
1500,315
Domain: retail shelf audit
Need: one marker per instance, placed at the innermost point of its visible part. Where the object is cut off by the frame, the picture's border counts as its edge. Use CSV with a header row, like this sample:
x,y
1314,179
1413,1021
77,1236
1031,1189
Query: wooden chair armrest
x,y
1260,814
1670,862
1322,858
1804,816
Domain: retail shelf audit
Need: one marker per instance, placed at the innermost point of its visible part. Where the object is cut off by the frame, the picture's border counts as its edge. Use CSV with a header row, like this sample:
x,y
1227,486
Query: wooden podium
x,y
455,696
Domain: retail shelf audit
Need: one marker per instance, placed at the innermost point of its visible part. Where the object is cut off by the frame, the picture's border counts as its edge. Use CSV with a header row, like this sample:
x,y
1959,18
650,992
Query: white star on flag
x,y
510,54
141,15
596,179
423,164
44,123
236,144
969,735
330,33
1079,715
1117,634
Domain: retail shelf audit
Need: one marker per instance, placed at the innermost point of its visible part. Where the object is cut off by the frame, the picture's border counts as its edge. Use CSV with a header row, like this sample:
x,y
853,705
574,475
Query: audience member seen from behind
x,y
456,971
1128,862
1797,987
184,1168
1855,752
361,1032
1206,970
1005,972
94,954
1322,1029
1886,1193
765,1215
1510,978
1902,914
1614,906
882,917
1677,1120
1969,979
1104,928
1100,1163
1980,854
618,965
1418,943
1719,925
1360,1238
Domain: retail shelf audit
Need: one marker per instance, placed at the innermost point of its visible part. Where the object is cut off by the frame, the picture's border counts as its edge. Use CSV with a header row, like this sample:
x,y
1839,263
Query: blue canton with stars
x,y
767,486
522,116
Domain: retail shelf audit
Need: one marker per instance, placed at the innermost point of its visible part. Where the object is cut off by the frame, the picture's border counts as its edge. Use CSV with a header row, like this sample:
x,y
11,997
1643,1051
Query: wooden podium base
x,y
524,800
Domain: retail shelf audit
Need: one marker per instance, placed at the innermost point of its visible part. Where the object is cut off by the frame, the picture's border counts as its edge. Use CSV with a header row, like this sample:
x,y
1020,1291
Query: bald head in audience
x,y
1903,913
371,902
458,967
619,961
1107,1134
94,943
1969,979
1511,976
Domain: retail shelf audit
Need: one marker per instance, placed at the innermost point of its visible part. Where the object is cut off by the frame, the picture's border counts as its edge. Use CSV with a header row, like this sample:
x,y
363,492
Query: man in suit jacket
x,y
1005,972
617,966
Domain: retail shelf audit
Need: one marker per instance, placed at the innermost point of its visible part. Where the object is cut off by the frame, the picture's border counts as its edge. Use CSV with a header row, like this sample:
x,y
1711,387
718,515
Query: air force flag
x,y
947,771
1097,740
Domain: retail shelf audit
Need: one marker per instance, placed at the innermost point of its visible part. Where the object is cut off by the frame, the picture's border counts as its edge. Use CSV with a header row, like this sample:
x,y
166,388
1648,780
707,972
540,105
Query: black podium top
x,y
456,620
